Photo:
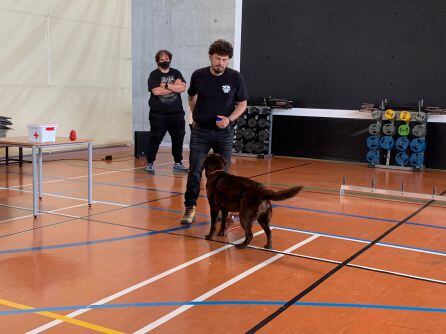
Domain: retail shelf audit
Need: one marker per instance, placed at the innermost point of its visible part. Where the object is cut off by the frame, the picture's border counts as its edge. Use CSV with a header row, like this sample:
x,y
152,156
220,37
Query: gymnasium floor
x,y
126,265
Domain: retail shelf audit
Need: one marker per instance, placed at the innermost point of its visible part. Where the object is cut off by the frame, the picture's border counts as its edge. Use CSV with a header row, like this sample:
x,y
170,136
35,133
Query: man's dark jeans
x,y
201,141
160,124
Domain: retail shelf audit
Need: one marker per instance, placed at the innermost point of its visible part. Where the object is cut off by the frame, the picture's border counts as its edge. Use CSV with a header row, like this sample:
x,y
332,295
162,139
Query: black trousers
x,y
201,141
160,124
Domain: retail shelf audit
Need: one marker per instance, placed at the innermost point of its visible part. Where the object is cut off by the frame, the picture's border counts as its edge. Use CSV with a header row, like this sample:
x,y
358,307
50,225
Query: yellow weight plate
x,y
389,114
405,116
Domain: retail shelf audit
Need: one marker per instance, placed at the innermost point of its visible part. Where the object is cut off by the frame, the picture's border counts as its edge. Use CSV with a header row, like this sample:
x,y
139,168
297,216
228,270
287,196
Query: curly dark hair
x,y
222,48
160,52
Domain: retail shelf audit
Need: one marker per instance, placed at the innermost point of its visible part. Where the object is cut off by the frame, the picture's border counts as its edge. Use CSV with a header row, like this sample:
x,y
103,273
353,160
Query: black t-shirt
x,y
169,103
217,95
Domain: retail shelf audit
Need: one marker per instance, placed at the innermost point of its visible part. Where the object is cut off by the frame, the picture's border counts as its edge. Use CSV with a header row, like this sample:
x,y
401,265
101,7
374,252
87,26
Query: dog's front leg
x,y
224,222
214,214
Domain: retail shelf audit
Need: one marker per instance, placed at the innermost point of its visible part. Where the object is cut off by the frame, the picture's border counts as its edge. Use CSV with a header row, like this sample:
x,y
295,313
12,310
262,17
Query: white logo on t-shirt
x,y
226,88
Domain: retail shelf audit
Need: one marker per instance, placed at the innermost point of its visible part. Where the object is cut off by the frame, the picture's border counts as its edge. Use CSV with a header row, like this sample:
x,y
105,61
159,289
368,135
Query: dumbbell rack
x,y
253,132
5,123
5,126
390,122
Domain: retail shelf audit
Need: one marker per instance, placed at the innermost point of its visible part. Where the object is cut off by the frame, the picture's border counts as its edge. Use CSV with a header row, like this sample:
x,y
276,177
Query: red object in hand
x,y
72,135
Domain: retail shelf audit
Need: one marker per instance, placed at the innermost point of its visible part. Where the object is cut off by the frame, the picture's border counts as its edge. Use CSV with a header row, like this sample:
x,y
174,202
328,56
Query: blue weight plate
x,y
373,156
418,145
417,159
373,142
402,159
387,142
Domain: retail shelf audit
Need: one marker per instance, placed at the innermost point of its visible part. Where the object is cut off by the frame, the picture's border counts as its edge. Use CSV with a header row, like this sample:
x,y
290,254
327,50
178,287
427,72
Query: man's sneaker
x,y
189,215
178,167
150,168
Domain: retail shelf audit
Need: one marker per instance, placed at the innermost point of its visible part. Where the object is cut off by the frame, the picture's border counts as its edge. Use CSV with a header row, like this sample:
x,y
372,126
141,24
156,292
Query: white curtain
x,y
67,62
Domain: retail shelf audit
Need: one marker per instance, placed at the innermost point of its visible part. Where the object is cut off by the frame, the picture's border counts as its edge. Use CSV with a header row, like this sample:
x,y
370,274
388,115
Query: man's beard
x,y
218,69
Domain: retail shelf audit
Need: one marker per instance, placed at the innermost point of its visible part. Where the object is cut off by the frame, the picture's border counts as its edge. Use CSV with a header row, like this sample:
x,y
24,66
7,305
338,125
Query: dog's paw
x,y
208,237
268,246
241,246
221,233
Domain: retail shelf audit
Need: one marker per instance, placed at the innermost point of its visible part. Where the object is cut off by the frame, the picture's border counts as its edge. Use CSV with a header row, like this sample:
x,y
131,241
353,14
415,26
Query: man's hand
x,y
177,86
163,84
222,121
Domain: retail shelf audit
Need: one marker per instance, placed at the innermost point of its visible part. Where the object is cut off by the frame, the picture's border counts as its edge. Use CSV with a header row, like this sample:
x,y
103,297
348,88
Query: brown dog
x,y
230,193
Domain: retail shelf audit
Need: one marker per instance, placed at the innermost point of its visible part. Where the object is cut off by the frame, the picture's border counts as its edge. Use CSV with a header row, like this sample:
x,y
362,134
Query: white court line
x,y
15,218
221,287
300,255
397,272
68,207
411,249
82,176
66,197
361,241
295,230
55,211
138,285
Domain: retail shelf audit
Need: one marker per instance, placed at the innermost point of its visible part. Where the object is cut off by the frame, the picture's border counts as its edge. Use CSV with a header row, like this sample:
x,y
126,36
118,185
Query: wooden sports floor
x,y
351,264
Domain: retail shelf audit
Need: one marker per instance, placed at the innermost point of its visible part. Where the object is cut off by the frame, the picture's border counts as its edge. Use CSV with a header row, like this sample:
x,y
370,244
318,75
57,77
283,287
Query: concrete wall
x,y
186,28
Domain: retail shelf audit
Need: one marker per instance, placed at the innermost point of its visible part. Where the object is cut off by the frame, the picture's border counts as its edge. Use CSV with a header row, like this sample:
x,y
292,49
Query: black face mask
x,y
164,64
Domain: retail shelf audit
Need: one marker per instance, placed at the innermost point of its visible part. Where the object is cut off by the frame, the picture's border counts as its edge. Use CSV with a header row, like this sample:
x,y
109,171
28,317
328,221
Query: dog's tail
x,y
281,195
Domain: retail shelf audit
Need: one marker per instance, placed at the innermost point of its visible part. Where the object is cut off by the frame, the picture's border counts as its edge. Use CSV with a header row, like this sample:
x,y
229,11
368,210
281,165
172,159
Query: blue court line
x,y
313,232
286,206
100,241
19,250
226,303
274,205
335,213
303,209
426,225
293,208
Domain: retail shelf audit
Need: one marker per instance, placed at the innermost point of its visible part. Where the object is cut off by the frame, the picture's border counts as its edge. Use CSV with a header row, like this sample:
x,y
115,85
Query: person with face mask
x,y
165,85
217,97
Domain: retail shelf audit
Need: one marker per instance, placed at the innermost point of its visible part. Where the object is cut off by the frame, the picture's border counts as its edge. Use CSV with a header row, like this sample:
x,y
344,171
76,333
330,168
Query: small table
x,y
37,162
7,159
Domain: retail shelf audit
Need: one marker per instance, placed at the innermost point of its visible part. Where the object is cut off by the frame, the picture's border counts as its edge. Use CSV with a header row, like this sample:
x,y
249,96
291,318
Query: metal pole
x,y
90,172
270,142
40,172
35,172
20,156
342,190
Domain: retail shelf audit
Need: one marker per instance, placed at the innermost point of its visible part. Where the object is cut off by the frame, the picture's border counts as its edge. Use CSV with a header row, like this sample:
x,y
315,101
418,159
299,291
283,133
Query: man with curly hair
x,y
165,85
217,97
